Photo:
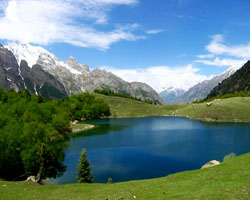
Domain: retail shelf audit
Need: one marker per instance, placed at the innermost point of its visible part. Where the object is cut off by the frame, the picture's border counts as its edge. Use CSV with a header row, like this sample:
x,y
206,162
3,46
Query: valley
x,y
124,100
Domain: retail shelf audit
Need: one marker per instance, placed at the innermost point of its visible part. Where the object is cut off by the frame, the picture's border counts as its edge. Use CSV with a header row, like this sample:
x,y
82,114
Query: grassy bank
x,y
230,180
79,127
235,109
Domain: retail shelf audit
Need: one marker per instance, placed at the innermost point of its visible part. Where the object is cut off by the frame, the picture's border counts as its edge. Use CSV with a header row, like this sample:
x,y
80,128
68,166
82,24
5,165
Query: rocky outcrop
x,y
211,163
41,82
9,71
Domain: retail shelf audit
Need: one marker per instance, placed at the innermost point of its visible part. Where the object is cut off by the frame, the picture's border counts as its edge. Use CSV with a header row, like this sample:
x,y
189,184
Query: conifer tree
x,y
84,169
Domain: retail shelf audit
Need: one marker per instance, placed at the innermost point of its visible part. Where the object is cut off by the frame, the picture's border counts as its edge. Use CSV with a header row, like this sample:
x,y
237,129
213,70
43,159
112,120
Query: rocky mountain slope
x,y
9,71
239,81
77,78
170,95
201,90
20,77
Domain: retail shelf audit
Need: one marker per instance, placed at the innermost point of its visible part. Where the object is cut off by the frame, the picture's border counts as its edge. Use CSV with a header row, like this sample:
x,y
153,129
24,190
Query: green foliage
x,y
225,96
238,82
84,106
110,180
84,169
108,92
33,130
229,156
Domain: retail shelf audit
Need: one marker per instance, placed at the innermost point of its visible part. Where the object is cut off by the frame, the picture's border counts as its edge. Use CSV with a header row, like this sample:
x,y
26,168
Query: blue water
x,y
129,149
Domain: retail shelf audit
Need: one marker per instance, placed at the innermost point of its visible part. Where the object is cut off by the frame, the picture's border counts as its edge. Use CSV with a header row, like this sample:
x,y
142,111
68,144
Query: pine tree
x,y
84,170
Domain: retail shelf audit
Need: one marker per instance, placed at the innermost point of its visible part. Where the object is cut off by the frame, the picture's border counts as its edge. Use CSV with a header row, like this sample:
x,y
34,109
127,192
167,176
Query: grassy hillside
x,y
230,180
235,109
123,107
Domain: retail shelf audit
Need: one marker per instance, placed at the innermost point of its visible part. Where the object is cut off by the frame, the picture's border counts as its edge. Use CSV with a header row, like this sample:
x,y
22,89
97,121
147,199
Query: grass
x,y
236,109
230,180
79,127
122,107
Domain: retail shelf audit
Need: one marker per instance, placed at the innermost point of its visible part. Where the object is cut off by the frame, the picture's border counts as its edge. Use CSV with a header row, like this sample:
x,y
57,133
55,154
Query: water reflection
x,y
128,149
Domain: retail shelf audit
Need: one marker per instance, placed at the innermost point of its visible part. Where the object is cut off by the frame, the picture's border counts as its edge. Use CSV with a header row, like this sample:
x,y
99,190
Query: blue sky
x,y
132,38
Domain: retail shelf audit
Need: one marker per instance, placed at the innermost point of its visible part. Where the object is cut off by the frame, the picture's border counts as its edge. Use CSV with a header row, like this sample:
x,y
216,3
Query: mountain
x,y
170,95
20,77
9,71
201,90
77,78
38,81
239,81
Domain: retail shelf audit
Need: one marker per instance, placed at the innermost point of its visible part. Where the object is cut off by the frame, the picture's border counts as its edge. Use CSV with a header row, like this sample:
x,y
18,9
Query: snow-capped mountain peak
x,y
38,55
73,64
231,70
27,52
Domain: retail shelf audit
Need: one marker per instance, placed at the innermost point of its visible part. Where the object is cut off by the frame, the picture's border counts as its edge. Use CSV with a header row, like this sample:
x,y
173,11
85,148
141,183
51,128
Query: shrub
x,y
229,156
110,180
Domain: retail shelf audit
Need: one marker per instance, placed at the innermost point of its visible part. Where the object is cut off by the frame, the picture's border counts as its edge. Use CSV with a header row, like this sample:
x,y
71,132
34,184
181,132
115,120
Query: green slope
x,y
230,180
235,109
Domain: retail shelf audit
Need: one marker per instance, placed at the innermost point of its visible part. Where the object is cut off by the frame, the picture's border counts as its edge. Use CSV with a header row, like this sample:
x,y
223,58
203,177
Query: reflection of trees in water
x,y
99,129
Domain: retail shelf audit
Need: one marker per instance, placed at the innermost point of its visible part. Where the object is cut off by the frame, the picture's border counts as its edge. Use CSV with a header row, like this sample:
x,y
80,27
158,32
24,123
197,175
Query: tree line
x,y
33,130
225,96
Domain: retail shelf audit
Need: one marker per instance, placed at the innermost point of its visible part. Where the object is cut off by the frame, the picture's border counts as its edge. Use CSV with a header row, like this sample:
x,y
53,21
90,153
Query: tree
x,y
43,151
84,169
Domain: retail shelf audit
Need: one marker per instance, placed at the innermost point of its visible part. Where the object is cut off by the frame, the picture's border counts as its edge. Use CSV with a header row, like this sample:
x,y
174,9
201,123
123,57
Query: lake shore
x,y
79,127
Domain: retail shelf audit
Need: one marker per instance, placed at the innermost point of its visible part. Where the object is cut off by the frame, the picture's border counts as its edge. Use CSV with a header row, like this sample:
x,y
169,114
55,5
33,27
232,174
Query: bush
x,y
110,180
229,156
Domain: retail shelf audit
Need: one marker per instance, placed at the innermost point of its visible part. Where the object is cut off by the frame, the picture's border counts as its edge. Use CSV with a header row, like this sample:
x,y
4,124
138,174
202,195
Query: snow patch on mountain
x,y
38,55
170,94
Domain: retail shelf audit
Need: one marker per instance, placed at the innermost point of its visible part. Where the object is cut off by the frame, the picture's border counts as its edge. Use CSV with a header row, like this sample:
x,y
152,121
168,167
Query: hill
x,y
123,107
239,81
230,180
225,110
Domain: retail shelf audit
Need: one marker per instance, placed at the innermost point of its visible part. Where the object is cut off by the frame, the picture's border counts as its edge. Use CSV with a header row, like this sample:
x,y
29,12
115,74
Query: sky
x,y
165,43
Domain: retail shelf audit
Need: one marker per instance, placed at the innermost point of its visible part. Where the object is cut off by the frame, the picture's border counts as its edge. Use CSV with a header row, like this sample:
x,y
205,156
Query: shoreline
x,y
78,127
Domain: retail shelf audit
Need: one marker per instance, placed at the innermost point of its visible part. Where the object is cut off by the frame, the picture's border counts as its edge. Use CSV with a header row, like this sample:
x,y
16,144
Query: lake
x,y
142,148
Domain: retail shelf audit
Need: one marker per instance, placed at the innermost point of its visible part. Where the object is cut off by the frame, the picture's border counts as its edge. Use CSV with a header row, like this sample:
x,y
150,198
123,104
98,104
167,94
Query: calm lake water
x,y
129,149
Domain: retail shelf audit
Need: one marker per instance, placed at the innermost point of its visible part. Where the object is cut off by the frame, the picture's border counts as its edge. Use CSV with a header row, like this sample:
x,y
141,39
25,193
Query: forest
x,y
33,131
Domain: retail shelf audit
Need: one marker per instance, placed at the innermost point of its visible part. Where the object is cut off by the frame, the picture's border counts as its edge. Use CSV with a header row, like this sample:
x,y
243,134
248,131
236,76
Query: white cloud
x,y
222,62
160,77
221,54
202,56
218,47
48,21
154,31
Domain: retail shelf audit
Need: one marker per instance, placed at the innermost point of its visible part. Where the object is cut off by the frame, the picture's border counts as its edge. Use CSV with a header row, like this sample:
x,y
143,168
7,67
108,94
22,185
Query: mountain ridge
x,y
239,81
77,78
202,89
